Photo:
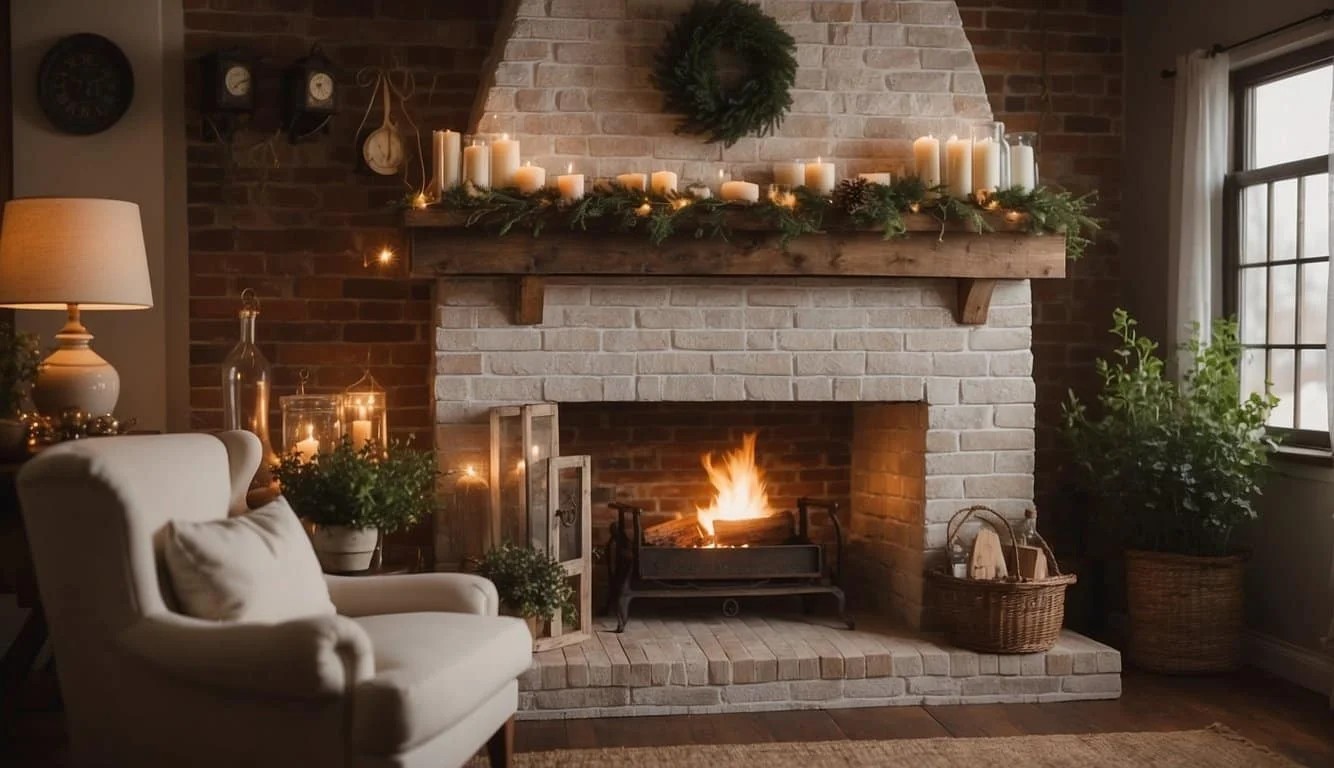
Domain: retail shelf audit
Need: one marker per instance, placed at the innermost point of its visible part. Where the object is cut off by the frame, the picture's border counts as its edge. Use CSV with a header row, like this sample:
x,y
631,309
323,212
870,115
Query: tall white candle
x,y
437,164
877,178
1023,171
740,191
504,161
791,174
959,166
477,165
986,166
361,433
635,181
530,178
664,182
926,160
308,448
820,176
452,157
571,185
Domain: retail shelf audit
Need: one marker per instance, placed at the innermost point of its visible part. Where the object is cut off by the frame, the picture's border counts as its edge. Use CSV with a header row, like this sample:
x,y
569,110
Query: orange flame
x,y
739,485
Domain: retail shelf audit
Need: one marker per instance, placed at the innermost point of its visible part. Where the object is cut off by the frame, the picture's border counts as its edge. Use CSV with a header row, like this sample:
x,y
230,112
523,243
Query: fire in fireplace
x,y
737,546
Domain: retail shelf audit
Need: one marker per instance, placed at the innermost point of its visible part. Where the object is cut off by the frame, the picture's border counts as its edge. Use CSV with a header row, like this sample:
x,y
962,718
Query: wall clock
x,y
85,84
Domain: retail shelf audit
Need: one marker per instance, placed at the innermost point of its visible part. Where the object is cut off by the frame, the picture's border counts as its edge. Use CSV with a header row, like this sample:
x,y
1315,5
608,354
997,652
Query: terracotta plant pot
x,y
13,440
342,549
1185,611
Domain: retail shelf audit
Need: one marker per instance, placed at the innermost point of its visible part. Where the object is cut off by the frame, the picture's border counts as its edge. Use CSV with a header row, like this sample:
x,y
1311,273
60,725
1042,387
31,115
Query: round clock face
x,y
237,80
383,151
321,87
85,84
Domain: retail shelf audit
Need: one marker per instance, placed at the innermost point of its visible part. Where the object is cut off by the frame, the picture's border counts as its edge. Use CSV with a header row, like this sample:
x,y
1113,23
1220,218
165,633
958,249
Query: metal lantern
x,y
310,423
365,413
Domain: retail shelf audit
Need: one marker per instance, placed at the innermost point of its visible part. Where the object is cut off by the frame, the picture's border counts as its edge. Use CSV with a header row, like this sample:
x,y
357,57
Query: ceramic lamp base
x,y
74,376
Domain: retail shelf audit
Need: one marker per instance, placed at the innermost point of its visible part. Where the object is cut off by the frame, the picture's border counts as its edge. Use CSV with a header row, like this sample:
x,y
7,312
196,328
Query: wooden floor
x,y
1268,711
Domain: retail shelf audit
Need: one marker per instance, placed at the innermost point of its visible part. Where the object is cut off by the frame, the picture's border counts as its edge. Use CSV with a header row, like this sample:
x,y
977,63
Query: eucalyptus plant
x,y
1173,467
530,583
20,357
389,489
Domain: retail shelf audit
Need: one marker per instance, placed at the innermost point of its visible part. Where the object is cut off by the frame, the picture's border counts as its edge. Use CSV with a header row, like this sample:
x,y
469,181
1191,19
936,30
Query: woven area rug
x,y
1213,747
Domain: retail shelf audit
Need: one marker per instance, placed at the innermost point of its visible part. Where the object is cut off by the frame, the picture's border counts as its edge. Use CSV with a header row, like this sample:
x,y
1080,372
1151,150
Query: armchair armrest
x,y
308,657
413,593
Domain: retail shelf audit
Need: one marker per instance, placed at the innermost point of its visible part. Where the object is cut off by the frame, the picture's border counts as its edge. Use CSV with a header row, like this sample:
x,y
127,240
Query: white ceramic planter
x,y
342,549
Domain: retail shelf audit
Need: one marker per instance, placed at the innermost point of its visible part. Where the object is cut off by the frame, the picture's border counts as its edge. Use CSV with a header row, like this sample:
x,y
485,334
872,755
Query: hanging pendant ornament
x,y
687,71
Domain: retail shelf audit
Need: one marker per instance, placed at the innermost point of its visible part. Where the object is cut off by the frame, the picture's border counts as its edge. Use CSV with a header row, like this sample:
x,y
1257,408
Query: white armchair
x,y
414,670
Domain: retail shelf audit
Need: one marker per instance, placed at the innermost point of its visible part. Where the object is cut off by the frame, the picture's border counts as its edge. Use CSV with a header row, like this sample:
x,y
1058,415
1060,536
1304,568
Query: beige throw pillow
x,y
256,567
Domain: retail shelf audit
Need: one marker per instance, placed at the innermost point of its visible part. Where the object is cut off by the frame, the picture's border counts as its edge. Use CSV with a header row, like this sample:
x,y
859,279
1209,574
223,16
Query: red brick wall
x,y
1075,100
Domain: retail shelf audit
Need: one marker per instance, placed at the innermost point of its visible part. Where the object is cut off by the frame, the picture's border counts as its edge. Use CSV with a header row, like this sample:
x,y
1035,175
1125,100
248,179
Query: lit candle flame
x,y
385,256
504,137
569,168
470,471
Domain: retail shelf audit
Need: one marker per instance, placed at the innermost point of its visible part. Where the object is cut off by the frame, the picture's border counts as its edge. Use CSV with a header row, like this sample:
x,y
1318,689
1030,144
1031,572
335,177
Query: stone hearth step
x,y
746,664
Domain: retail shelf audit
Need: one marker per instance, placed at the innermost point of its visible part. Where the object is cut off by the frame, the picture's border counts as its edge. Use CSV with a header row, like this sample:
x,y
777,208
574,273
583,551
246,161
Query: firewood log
x,y
755,531
682,532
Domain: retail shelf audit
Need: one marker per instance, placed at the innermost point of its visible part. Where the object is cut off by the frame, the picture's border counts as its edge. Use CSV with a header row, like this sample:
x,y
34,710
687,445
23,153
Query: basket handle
x,y
968,513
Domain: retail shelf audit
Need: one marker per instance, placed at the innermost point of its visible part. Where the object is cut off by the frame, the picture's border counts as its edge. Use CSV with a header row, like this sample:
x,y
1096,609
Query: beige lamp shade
x,y
56,251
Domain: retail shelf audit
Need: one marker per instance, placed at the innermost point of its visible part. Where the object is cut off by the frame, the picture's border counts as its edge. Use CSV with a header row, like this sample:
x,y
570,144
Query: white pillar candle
x,y
308,448
571,185
959,166
445,160
530,178
790,174
1023,171
820,176
361,433
926,160
740,191
877,178
504,161
986,166
477,165
635,181
664,183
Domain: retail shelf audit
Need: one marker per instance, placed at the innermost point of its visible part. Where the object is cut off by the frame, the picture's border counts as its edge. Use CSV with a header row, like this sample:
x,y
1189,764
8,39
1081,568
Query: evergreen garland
x,y
687,71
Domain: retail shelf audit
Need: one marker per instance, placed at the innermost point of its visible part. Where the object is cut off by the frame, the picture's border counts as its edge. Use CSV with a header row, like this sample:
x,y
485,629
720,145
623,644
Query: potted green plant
x,y
19,360
354,496
1174,468
532,585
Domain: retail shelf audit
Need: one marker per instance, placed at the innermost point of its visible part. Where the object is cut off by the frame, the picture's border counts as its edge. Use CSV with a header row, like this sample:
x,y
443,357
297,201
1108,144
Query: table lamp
x,y
73,253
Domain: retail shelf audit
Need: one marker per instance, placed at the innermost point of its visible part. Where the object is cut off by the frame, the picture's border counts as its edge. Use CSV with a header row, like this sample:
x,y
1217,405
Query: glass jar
x,y
1021,146
247,382
989,169
365,418
310,424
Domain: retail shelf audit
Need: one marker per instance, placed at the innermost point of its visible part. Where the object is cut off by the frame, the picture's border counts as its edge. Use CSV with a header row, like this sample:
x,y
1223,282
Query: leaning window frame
x,y
1240,178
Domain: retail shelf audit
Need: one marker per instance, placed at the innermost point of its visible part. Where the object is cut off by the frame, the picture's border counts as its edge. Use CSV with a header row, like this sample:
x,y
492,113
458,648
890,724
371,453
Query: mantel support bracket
x,y
974,299
529,300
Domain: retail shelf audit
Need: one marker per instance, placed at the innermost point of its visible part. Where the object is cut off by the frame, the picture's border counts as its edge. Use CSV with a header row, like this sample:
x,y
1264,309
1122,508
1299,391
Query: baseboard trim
x,y
1301,666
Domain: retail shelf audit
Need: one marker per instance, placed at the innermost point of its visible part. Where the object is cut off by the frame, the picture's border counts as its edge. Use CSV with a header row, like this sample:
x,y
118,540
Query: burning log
x,y
774,529
682,532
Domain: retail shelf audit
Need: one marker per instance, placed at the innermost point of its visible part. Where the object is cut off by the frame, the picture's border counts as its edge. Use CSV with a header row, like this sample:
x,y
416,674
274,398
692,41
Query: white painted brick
x,y
959,463
1060,661
999,391
723,319
941,510
997,440
1022,416
1020,316
942,391
1011,292
760,364
944,488
571,339
688,388
636,341
831,318
907,389
1009,665
831,364
740,694
778,297
831,297
618,388
899,363
461,413
980,686
959,364
677,695
669,318
456,317
806,340
648,388
1012,363
1032,664
675,362
847,389
941,440
707,296
581,698
1091,684
598,317
522,389
870,341
567,295
1029,685
709,340
628,296
887,296
456,341
874,688
729,388
961,417
933,685
935,341
464,364
1014,461
1000,339
768,388
494,317
572,389
814,389
451,388
764,317
815,690
761,340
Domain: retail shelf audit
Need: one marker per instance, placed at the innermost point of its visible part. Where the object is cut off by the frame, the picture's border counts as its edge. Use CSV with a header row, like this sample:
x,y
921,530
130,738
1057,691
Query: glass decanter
x,y
247,382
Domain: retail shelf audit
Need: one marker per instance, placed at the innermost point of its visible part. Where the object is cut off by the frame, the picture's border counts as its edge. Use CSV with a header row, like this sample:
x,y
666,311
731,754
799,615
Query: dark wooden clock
x,y
85,84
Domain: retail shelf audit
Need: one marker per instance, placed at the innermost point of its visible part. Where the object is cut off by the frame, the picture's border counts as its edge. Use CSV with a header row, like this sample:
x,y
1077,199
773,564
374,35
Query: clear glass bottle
x,y
958,559
1027,533
247,383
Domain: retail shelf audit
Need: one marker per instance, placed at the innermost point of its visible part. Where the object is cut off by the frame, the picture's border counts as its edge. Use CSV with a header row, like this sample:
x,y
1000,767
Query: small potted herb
x,y
532,585
354,496
19,360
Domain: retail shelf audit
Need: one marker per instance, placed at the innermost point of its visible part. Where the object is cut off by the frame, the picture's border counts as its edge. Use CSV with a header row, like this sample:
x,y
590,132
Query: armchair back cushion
x,y
255,567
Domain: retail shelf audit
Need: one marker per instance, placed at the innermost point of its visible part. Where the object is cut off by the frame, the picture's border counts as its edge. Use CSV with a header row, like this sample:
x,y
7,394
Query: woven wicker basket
x,y
1185,611
1006,616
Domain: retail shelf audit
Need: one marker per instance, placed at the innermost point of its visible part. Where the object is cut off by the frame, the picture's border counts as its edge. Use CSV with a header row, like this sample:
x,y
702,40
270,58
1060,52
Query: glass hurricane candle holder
x,y
365,413
310,424
1022,149
988,159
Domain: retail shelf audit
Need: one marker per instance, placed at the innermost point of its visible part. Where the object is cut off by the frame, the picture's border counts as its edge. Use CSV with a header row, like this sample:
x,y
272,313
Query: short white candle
x,y
986,166
308,448
361,433
504,161
477,165
926,160
740,191
571,185
445,159
699,191
530,178
877,178
959,166
790,174
664,183
1023,171
635,181
820,176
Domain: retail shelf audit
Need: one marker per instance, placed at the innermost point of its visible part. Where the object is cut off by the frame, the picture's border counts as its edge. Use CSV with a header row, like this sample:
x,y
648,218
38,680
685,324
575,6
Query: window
x,y
1277,201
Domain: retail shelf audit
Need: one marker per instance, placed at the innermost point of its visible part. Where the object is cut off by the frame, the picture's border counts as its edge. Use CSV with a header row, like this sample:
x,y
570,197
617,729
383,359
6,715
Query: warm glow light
x,y
385,256
419,201
537,452
680,202
470,471
504,137
644,209
569,168
915,207
738,485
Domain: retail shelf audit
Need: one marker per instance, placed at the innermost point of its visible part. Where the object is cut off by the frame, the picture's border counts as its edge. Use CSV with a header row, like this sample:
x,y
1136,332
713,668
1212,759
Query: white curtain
x,y
1199,163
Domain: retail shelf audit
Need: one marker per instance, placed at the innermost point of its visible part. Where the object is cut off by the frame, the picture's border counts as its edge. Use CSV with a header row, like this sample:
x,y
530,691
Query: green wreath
x,y
687,71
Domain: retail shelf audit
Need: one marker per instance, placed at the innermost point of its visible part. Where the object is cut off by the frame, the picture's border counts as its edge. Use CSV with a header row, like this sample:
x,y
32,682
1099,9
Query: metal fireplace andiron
x,y
796,567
